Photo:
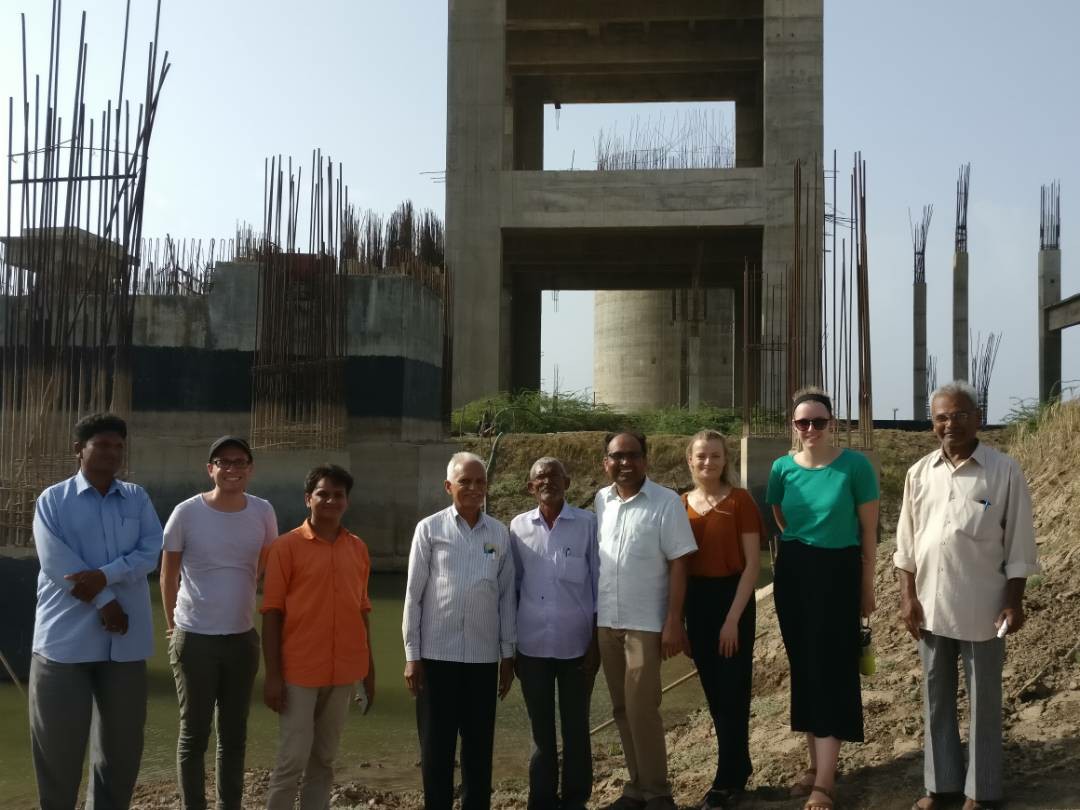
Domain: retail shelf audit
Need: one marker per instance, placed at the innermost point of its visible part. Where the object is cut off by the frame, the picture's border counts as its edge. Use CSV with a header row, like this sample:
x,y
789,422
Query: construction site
x,y
728,272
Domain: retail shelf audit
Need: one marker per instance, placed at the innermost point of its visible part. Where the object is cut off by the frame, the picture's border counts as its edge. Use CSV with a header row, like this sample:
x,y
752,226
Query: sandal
x,y
801,788
819,804
931,800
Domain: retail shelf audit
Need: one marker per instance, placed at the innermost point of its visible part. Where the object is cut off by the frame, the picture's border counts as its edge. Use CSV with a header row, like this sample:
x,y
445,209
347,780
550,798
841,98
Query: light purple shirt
x,y
557,571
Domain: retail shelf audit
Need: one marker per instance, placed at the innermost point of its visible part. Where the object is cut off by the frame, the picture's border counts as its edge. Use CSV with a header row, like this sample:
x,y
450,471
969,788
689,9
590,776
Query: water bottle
x,y
867,662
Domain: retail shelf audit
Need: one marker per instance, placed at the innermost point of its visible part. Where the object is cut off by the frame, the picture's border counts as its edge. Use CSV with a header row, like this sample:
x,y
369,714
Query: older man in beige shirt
x,y
964,546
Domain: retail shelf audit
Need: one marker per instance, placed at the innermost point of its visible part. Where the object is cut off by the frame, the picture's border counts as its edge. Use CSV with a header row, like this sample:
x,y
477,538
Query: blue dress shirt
x,y
76,528
557,573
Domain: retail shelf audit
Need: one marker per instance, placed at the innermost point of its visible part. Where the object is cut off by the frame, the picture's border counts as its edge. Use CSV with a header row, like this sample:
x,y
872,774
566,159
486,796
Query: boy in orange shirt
x,y
315,639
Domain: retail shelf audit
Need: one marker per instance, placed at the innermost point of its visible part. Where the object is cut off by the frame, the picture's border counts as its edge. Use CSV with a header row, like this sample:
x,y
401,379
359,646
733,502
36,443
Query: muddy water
x,y
379,749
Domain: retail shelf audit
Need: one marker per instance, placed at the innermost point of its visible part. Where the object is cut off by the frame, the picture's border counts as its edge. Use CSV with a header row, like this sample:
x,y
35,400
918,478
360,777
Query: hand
x,y
911,614
729,638
1015,616
88,584
414,677
369,688
506,676
672,639
275,693
113,618
868,602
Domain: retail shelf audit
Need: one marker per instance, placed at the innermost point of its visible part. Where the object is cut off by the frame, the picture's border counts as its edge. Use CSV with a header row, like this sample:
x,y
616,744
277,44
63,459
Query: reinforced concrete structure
x,y
961,332
1054,314
514,229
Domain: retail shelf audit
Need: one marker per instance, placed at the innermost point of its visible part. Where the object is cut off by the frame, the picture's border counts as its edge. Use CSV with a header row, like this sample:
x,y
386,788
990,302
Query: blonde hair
x,y
729,476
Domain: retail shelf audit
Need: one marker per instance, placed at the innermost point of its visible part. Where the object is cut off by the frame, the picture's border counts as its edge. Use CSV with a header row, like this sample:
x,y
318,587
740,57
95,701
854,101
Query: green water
x,y
379,749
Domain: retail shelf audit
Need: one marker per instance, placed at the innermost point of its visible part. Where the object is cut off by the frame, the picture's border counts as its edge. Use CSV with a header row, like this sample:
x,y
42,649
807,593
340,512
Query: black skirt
x,y
818,594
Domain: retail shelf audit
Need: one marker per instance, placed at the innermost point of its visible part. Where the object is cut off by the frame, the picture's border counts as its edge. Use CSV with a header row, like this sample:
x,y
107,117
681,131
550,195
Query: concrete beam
x,y
575,51
633,199
1063,314
643,88
526,15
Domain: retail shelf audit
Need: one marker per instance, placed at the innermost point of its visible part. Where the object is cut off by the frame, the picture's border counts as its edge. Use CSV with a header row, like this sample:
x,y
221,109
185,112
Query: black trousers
x,y
818,593
457,699
539,678
726,682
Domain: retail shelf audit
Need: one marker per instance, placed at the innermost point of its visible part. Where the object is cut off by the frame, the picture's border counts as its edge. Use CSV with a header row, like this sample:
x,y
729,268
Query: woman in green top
x,y
825,500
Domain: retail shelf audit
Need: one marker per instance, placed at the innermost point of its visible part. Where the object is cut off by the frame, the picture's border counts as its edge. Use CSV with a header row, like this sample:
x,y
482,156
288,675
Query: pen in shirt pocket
x,y
985,503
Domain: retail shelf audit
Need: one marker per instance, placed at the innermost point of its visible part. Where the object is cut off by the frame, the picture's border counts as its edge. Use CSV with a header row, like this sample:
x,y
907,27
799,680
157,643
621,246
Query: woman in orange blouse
x,y
720,606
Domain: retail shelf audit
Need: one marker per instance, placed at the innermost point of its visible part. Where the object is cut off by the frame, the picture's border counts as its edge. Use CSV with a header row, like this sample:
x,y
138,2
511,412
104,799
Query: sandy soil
x,y
1042,675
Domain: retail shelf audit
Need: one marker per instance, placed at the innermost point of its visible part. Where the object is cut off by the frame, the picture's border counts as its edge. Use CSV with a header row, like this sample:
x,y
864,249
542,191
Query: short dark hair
x,y
639,436
89,426
332,472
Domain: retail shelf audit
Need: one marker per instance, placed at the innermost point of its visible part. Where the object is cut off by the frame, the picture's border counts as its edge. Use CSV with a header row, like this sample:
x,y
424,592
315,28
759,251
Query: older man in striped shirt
x,y
459,630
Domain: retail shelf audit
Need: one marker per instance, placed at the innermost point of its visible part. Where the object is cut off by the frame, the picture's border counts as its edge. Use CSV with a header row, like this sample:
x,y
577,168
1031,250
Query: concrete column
x,y
749,124
961,367
793,96
475,124
1049,341
918,352
528,125
525,321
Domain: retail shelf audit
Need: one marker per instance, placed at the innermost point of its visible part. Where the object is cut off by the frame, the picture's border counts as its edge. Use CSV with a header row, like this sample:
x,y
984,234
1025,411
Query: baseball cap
x,y
227,440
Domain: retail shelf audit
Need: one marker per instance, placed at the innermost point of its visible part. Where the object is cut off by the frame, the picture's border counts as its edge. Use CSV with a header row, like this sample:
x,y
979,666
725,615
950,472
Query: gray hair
x,y
547,461
957,388
460,460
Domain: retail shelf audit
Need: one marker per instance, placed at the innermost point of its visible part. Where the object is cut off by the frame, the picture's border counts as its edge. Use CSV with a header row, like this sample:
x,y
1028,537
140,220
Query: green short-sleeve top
x,y
819,505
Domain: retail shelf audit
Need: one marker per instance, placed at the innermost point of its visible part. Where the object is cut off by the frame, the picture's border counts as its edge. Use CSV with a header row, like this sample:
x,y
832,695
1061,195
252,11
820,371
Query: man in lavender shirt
x,y
557,563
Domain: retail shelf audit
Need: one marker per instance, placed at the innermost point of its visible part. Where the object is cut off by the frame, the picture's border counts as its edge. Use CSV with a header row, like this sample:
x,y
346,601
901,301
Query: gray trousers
x,y
103,702
539,677
943,765
214,676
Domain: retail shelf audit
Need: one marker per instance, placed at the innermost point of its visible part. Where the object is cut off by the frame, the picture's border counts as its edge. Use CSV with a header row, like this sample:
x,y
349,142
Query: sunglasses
x,y
803,425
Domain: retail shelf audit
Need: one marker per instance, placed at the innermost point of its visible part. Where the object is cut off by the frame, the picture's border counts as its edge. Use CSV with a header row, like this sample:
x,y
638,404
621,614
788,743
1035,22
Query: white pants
x,y
310,732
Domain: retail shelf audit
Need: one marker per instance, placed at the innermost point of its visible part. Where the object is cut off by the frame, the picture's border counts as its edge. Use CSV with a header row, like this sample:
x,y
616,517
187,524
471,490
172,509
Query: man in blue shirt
x,y
97,538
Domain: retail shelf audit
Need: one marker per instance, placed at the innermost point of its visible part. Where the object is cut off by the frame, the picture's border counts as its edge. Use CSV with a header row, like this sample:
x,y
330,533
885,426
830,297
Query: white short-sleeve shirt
x,y
220,563
638,538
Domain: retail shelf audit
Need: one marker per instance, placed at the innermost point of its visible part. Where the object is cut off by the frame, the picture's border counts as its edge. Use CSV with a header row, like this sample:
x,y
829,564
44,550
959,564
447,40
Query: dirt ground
x,y
1041,680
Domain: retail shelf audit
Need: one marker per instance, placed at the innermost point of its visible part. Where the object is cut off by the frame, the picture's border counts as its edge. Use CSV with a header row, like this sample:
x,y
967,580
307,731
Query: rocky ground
x,y
1042,675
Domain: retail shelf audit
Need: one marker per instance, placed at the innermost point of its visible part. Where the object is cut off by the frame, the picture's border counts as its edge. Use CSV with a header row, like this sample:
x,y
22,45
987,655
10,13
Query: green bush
x,y
538,412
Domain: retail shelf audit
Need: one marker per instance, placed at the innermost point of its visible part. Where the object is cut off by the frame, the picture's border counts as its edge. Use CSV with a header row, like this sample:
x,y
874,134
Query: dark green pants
x,y
214,676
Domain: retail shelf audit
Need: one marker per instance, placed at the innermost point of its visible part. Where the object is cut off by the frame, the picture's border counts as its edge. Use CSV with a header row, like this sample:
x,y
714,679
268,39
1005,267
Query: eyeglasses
x,y
803,425
959,417
630,455
231,463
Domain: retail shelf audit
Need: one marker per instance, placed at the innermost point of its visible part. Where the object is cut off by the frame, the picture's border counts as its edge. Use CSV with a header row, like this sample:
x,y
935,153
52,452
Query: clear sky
x,y
919,87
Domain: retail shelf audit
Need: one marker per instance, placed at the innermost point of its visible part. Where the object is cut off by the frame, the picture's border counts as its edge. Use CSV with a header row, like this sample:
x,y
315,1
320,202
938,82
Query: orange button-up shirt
x,y
322,590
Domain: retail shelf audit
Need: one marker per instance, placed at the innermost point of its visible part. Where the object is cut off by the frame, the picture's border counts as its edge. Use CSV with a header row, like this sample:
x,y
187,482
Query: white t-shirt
x,y
638,538
220,563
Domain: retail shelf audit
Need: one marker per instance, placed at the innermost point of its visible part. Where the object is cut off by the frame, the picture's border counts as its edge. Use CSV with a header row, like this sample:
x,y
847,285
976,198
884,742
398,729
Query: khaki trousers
x,y
631,660
311,728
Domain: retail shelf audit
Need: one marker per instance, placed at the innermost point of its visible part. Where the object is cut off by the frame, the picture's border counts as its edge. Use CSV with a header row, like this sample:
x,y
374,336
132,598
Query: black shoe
x,y
625,803
721,799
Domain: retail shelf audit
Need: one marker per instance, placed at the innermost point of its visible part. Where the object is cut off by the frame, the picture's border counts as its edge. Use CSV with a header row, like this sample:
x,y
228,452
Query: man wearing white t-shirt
x,y
213,554
645,536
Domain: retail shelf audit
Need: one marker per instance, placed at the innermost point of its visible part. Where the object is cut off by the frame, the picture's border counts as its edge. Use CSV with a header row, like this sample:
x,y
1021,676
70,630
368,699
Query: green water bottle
x,y
867,662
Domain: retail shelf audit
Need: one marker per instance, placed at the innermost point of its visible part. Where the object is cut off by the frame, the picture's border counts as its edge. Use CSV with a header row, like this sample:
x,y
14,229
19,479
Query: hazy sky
x,y
919,87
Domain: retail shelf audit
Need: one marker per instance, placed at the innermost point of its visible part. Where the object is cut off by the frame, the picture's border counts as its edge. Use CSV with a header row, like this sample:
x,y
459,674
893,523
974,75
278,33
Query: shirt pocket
x,y
127,531
978,517
487,572
573,569
643,540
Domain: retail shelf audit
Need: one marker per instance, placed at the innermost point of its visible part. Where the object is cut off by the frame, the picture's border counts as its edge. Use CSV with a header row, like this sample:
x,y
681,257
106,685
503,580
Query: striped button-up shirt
x,y
557,573
965,531
459,595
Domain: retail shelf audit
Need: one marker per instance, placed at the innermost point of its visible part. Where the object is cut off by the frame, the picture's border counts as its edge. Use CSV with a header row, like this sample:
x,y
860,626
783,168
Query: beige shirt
x,y
963,532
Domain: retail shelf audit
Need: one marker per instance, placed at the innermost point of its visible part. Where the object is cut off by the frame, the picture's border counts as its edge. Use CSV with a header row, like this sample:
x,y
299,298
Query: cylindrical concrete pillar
x,y
961,368
638,350
1049,342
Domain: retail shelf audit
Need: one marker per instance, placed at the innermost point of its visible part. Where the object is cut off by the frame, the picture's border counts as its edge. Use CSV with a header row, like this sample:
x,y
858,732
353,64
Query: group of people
x,y
560,593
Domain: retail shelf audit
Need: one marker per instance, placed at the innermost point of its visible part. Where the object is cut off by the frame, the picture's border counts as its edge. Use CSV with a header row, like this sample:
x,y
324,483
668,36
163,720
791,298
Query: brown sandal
x,y
801,788
819,804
